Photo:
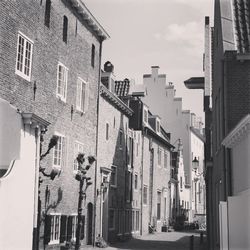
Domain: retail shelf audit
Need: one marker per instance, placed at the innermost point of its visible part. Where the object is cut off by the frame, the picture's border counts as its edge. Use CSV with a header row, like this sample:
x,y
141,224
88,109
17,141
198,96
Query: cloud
x,y
189,35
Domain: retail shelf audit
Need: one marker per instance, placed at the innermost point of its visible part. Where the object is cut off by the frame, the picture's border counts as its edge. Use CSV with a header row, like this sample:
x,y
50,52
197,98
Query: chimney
x,y
154,71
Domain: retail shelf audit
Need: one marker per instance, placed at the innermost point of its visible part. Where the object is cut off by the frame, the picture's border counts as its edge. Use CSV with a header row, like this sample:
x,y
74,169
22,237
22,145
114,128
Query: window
x,y
128,186
145,115
136,181
74,226
107,131
62,78
120,138
65,29
145,195
93,56
159,155
113,176
158,205
199,192
112,219
55,229
47,13
24,56
130,152
59,151
157,126
81,95
181,182
165,159
78,148
137,221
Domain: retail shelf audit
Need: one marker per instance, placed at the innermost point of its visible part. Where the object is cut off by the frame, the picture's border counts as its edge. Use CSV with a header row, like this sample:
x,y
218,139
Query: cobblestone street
x,y
166,241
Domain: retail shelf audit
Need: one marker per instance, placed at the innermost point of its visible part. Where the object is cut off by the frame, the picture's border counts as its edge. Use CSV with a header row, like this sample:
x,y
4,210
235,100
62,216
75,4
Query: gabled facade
x,y
155,167
182,124
51,66
116,216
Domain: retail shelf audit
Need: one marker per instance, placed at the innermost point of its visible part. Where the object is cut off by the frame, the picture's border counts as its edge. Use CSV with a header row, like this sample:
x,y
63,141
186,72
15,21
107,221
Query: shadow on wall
x,y
120,192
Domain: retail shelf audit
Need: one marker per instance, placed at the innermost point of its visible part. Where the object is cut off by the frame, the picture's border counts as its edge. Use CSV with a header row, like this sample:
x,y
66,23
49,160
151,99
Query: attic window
x,y
157,126
145,115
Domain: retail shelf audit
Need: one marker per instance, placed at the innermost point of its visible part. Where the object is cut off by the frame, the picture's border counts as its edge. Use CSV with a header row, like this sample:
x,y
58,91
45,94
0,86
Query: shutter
x,y
47,229
86,99
69,228
83,228
63,228
78,94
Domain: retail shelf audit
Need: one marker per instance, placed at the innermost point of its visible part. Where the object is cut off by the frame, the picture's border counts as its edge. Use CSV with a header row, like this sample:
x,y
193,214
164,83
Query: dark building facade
x,y
50,65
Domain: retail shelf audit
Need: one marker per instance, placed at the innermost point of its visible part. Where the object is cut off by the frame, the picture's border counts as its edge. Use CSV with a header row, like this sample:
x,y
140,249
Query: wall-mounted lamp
x,y
195,163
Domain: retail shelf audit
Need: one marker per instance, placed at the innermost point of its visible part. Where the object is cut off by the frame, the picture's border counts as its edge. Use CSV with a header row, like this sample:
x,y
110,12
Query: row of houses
x,y
226,105
52,84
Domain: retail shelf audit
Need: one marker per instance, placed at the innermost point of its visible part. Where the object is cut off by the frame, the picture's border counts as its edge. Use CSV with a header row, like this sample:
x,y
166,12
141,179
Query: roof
x,y
114,100
86,15
122,87
242,20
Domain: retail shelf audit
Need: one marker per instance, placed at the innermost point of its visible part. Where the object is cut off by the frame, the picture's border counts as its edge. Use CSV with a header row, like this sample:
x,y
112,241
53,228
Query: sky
x,y
164,33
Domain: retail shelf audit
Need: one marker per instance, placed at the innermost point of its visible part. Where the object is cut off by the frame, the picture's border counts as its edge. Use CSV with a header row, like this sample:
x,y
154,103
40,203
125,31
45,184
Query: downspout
x,y
142,153
96,153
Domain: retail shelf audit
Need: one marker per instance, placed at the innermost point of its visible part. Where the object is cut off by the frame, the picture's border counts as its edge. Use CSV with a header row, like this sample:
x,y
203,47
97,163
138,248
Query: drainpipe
x,y
97,129
142,152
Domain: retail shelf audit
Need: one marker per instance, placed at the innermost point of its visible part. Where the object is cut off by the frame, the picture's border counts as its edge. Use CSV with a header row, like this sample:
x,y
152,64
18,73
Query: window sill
x,y
60,98
54,242
21,74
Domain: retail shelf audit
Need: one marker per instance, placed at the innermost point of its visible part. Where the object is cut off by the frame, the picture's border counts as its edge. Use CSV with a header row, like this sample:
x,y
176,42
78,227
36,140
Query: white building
x,y
182,124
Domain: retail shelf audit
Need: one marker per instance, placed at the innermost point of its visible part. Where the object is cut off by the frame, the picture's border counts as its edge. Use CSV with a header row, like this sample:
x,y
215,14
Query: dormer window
x,y
158,126
145,115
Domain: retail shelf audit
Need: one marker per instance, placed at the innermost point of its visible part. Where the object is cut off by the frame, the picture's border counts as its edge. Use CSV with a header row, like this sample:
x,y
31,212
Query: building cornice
x,y
84,12
238,133
34,121
114,100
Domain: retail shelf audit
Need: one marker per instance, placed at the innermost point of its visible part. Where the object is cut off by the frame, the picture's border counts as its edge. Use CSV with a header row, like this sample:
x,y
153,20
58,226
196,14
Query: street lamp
x,y
195,164
82,178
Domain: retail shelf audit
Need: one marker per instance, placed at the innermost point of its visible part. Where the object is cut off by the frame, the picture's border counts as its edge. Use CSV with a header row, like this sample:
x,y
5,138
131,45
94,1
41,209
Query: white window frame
x,y
59,166
115,184
21,72
80,105
62,96
52,239
73,237
145,117
77,145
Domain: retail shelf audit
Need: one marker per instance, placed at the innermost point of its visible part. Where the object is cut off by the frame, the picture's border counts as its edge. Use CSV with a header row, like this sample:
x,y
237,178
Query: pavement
x,y
161,241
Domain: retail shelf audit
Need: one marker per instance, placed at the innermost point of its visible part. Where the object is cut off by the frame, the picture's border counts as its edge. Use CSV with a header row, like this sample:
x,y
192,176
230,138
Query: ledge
x,y
34,121
84,12
116,101
238,133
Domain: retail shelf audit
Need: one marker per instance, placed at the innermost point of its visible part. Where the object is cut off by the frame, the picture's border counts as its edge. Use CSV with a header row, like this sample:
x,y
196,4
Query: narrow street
x,y
166,241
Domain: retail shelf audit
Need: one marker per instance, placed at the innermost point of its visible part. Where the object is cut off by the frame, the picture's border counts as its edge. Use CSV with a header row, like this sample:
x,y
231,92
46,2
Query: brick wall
x,y
48,50
237,84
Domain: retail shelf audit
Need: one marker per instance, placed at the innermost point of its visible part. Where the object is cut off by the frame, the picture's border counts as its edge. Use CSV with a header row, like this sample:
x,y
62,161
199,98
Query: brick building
x,y
115,161
154,168
50,65
227,124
